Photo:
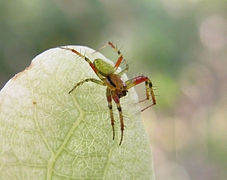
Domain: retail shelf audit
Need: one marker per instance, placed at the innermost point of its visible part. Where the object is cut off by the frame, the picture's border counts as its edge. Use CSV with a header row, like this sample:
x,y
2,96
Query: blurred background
x,y
180,44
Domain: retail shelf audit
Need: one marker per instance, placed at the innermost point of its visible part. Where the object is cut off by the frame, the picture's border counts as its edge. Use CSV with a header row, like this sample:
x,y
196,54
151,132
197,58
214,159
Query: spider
x,y
116,88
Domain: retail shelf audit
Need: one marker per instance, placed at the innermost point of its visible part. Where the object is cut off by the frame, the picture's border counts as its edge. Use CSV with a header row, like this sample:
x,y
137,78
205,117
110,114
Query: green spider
x,y
116,88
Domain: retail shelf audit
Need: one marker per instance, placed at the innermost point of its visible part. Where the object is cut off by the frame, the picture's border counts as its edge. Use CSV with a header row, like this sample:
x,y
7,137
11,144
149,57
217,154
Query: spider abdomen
x,y
103,67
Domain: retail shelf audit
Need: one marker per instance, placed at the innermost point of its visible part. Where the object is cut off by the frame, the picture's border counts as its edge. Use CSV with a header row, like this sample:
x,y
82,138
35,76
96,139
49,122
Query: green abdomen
x,y
103,67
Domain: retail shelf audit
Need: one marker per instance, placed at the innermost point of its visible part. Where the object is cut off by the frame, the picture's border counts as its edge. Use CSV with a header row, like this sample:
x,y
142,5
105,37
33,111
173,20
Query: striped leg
x,y
119,59
123,71
86,59
117,101
149,91
87,80
109,100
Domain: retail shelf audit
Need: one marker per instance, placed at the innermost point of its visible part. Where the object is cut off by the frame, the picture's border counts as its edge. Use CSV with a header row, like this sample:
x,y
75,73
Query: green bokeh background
x,y
180,44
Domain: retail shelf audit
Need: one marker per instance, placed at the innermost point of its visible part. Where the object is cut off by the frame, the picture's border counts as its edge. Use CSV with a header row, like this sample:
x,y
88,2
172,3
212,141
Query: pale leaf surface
x,y
46,133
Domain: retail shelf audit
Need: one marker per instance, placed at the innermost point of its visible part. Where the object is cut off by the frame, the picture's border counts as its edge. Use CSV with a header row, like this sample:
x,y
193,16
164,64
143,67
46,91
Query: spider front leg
x,y
109,100
86,59
119,59
87,80
149,91
117,101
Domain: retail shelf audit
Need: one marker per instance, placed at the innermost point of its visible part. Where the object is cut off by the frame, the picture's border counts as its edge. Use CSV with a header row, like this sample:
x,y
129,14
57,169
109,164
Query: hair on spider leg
x,y
84,54
157,95
124,116
155,87
81,52
101,48
119,48
134,104
138,74
125,126
64,47
106,44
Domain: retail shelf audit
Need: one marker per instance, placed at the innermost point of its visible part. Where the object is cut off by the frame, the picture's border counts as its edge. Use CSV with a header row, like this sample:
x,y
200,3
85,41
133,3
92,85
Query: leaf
x,y
46,133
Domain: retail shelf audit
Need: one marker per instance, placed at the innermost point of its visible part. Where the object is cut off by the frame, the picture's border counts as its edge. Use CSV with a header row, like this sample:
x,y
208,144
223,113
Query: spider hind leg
x,y
109,100
117,101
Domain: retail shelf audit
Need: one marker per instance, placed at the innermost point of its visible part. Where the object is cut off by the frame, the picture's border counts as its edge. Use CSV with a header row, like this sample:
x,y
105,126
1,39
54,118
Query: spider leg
x,y
109,100
87,80
117,101
123,71
119,59
86,59
149,91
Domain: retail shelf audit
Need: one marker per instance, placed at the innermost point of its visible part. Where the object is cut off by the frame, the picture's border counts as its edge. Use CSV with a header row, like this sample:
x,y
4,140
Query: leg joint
x,y
150,84
119,109
86,59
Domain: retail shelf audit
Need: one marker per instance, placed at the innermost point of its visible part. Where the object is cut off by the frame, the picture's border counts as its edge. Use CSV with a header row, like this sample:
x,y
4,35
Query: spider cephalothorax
x,y
116,84
116,87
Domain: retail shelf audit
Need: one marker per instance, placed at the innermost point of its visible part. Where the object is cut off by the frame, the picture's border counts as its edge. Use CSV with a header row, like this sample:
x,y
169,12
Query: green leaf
x,y
46,133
